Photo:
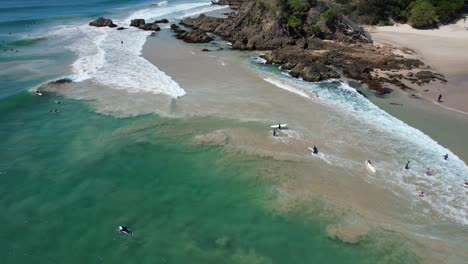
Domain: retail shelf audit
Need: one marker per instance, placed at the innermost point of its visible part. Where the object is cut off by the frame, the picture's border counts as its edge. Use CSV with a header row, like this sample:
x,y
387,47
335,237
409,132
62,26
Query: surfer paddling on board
x,y
368,161
125,230
315,150
407,165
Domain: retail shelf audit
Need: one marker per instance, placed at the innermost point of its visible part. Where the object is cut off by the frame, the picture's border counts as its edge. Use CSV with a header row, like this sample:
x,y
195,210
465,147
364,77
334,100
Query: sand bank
x,y
219,85
443,49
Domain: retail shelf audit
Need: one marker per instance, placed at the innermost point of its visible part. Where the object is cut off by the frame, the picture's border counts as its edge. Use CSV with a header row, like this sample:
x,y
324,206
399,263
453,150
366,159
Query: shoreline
x,y
442,49
190,68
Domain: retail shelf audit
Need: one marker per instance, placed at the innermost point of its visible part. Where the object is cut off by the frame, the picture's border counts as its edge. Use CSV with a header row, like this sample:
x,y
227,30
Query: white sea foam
x,y
286,87
113,58
397,142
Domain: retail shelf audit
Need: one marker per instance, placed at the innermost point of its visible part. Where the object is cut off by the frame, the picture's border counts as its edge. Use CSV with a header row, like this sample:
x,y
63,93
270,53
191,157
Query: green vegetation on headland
x,y
418,13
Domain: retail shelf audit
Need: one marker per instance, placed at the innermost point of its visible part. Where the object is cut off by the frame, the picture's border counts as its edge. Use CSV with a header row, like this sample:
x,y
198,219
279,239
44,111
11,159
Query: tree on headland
x,y
422,14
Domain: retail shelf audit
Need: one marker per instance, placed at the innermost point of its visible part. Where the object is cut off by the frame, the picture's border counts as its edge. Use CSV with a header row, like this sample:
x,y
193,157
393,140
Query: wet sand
x,y
219,85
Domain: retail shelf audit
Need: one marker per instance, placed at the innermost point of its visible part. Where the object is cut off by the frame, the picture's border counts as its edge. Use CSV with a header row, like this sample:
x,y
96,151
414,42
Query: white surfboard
x,y
370,167
38,93
277,126
466,184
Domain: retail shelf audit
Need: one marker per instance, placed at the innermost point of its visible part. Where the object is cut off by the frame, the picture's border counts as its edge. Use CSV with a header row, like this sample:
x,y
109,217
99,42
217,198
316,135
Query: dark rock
x,y
150,26
177,29
137,23
121,28
162,21
195,36
102,22
61,81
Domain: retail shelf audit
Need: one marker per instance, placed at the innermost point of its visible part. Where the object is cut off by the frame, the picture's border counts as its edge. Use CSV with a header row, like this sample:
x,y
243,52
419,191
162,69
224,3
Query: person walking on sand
x,y
439,100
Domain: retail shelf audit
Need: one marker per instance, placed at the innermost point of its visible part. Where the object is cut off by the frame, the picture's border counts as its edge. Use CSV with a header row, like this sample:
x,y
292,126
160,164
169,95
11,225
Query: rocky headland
x,y
314,40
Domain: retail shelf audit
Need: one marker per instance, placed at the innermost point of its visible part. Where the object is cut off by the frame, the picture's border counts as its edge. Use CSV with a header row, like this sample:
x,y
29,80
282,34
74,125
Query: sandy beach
x,y
443,49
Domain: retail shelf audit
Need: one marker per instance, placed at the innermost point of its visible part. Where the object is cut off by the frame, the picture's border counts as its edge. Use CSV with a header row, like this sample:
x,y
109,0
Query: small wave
x,y
112,57
286,87
396,141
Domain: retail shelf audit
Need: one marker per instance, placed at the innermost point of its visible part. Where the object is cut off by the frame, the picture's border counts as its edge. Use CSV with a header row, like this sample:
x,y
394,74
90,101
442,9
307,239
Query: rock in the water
x,y
137,23
195,36
177,29
60,81
163,21
150,26
121,28
102,22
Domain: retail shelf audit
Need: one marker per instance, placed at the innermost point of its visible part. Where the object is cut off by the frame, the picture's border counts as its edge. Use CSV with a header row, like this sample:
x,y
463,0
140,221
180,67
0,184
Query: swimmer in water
x,y
125,230
428,172
421,194
407,165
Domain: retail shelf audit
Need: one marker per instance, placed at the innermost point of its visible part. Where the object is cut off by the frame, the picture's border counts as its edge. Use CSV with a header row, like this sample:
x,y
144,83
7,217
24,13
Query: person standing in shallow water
x,y
407,165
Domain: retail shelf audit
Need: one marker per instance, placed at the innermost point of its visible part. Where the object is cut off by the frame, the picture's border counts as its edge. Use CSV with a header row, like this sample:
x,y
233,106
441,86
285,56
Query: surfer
x,y
279,126
446,157
274,133
125,230
368,161
421,194
315,150
439,100
428,172
466,184
407,165
121,42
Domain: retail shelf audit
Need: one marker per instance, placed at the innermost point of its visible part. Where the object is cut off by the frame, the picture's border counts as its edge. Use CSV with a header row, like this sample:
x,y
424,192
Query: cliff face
x,y
309,38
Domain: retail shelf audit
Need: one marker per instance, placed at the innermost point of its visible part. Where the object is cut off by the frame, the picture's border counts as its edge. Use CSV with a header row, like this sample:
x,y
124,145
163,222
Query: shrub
x,y
294,22
422,14
329,15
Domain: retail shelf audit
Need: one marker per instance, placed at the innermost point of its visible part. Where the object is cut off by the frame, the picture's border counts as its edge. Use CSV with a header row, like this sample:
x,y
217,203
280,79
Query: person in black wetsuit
x,y
446,157
125,230
315,150
407,165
